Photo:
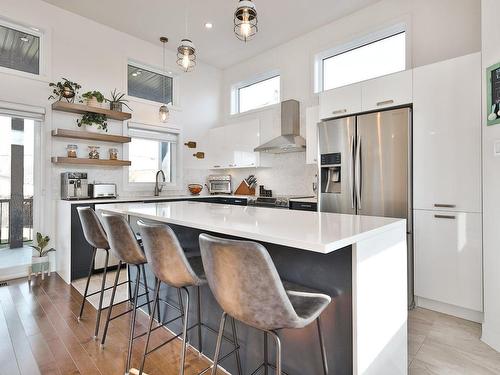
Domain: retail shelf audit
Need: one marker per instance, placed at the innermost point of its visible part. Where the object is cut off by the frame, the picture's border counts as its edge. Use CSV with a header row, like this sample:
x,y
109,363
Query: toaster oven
x,y
100,190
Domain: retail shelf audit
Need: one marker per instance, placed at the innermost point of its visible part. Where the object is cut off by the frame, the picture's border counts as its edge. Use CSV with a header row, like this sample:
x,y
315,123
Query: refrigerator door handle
x,y
351,171
358,172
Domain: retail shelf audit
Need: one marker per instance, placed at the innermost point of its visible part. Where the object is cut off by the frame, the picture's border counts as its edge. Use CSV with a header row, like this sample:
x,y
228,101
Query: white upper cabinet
x,y
387,91
383,92
312,119
340,102
447,135
232,146
448,259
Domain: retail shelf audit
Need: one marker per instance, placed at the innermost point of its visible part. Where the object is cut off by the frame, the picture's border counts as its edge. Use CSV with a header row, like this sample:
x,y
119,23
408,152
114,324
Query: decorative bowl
x,y
195,189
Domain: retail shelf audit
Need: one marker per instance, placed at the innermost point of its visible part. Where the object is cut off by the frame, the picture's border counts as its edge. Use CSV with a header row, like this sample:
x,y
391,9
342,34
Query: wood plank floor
x,y
40,334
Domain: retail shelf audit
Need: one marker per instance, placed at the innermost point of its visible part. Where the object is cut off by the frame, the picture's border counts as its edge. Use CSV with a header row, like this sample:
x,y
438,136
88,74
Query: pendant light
x,y
164,113
245,20
186,52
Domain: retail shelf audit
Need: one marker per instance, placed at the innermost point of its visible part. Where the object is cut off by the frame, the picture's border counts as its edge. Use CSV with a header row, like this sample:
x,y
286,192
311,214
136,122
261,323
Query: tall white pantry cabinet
x,y
447,186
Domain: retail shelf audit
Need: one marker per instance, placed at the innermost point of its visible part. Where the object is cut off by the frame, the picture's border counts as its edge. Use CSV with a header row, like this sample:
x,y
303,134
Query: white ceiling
x,y
279,22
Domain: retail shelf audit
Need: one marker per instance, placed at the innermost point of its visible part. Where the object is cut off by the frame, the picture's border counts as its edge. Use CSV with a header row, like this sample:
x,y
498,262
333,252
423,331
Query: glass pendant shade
x,y
164,113
245,20
186,55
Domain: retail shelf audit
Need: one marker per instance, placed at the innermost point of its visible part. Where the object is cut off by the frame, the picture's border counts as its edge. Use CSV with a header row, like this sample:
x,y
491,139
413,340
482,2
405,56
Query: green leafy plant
x,y
64,89
42,242
94,94
92,119
117,98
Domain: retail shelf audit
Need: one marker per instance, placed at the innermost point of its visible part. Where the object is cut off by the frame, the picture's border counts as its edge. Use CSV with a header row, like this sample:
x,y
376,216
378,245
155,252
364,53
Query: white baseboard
x,y
445,308
490,337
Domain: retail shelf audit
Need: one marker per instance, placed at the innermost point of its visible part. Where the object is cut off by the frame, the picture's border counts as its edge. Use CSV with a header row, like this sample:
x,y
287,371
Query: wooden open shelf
x,y
82,109
77,134
84,161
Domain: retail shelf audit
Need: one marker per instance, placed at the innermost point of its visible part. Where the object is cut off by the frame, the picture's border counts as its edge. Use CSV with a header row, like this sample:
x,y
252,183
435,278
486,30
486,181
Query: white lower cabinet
x,y
448,258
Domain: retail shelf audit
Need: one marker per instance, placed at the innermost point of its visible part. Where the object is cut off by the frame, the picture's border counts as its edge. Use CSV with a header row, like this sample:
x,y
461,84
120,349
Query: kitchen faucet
x,y
158,188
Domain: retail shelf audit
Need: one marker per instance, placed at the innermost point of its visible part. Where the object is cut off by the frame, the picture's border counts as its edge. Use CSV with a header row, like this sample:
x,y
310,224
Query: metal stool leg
x,y
278,351
322,345
200,342
236,345
91,268
111,302
157,299
101,297
146,289
155,307
219,341
266,355
184,333
132,321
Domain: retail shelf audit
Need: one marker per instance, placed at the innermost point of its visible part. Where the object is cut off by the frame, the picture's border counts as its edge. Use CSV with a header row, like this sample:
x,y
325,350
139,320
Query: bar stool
x,y
125,247
169,263
246,284
96,237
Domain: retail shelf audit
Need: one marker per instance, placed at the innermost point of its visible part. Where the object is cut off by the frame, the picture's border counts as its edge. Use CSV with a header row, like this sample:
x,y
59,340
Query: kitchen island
x,y
359,260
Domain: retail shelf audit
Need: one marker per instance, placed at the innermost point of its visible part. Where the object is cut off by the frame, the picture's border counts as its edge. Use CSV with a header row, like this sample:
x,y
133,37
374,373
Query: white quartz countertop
x,y
314,231
146,198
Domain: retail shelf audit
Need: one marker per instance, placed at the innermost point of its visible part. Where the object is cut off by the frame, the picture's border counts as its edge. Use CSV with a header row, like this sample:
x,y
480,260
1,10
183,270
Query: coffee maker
x,y
74,185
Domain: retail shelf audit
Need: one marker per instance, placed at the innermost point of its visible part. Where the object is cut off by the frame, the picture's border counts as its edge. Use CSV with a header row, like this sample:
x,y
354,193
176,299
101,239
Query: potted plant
x,y
117,102
64,89
90,119
40,258
93,99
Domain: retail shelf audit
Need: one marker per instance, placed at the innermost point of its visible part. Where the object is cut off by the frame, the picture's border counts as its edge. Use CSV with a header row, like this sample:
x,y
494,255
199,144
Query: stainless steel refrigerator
x,y
365,166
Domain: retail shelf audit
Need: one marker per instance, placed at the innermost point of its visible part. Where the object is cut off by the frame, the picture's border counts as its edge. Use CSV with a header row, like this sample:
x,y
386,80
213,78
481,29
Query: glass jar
x,y
94,152
113,153
72,151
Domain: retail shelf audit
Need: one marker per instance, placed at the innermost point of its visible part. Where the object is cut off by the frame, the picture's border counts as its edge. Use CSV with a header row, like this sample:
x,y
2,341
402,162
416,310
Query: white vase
x,y
93,129
40,265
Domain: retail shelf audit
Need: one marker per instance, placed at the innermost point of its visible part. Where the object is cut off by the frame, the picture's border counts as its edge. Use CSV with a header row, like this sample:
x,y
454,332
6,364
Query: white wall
x,y
96,56
437,30
491,186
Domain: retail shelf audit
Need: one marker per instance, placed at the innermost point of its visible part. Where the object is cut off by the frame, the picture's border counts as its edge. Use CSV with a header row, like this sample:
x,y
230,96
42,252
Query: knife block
x,y
243,189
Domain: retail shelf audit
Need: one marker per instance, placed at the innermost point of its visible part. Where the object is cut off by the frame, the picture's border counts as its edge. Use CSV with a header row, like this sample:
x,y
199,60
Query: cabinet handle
x,y
339,111
451,217
442,205
385,102
216,166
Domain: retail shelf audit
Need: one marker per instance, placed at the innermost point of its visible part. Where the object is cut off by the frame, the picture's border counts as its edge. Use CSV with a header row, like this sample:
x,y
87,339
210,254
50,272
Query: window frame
x,y
176,156
236,87
43,67
169,72
365,40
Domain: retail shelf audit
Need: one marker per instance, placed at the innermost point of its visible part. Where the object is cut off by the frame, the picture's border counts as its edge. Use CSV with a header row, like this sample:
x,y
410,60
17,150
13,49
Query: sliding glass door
x,y
17,141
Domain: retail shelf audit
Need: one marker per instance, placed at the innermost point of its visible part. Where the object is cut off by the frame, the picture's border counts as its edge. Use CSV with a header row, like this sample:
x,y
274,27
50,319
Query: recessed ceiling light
x,y
35,28
209,25
24,39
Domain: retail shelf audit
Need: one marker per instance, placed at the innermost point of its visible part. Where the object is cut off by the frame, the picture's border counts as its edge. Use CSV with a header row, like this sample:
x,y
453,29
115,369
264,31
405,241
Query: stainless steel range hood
x,y
290,139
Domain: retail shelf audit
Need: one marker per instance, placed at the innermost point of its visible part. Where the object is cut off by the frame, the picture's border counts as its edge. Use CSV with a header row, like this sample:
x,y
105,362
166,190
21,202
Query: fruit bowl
x,y
195,189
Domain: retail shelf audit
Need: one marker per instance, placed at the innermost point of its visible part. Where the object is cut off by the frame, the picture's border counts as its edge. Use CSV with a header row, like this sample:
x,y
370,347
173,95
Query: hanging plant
x,y
91,119
64,89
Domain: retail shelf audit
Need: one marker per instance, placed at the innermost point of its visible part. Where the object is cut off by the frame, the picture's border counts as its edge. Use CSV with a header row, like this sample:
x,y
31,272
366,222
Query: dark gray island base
x,y
330,273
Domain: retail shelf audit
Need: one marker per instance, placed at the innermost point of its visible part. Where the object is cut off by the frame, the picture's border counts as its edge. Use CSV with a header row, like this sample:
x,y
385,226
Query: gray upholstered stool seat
x,y
171,266
307,303
246,284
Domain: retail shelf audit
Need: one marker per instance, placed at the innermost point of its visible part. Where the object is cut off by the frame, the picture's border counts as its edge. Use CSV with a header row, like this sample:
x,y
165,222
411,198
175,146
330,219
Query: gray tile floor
x,y
442,344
